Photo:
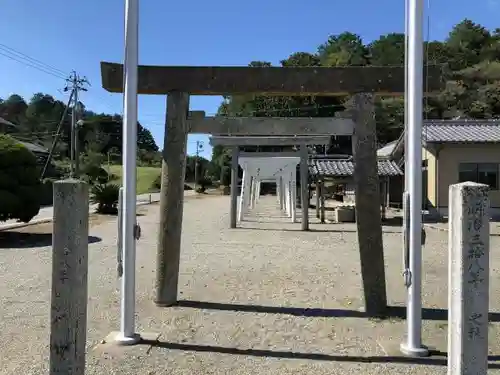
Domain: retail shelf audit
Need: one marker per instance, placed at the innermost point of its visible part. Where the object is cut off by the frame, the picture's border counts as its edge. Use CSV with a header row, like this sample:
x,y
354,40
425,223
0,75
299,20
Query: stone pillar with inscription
x,y
68,314
468,300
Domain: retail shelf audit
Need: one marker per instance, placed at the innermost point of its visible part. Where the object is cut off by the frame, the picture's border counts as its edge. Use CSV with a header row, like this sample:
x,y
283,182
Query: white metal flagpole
x,y
413,346
406,99
127,333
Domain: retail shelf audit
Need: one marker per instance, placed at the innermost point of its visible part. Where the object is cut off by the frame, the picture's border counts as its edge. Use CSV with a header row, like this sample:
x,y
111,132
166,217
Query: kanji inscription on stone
x,y
469,279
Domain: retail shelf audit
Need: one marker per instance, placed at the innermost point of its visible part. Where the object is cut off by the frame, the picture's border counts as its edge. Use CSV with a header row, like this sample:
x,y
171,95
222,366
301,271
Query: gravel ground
x,y
253,300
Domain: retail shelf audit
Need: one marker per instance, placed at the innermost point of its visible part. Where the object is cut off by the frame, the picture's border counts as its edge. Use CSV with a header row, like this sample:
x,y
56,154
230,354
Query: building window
x,y
483,173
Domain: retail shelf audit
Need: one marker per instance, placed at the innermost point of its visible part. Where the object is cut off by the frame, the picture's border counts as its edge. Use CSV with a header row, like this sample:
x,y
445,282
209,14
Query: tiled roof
x,y
34,147
8,123
345,168
450,131
470,131
387,149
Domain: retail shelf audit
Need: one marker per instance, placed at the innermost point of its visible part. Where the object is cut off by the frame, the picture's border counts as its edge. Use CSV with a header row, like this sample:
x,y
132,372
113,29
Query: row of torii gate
x,y
278,167
280,170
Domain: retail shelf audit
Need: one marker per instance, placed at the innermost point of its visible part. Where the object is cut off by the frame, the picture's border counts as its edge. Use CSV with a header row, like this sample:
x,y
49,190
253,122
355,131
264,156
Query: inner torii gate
x,y
179,82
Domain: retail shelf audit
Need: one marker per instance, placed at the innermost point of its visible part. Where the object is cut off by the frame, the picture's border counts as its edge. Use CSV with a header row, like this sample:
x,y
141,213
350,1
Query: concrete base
x,y
116,339
119,339
414,352
393,348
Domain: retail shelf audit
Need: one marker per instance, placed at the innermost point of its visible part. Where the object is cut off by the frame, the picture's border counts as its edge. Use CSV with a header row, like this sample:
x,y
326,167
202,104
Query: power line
x,y
33,66
32,59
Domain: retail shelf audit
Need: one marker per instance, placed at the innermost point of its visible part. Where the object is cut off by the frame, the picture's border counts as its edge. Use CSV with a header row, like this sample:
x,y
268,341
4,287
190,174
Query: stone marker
x,y
468,278
68,317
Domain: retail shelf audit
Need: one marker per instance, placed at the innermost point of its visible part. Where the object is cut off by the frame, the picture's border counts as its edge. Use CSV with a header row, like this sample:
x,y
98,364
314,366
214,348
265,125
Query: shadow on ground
x,y
393,312
436,358
396,221
314,230
23,240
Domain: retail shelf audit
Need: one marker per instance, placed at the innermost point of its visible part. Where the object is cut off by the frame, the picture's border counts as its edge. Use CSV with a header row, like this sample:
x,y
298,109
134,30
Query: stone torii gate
x,y
178,82
302,141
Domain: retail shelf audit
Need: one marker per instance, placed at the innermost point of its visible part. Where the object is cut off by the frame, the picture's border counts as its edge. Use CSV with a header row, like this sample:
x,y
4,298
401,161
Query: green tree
x,y
19,181
13,109
388,50
469,44
345,49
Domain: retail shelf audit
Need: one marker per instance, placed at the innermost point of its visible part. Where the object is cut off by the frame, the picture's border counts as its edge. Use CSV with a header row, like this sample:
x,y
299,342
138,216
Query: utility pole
x,y
75,84
199,147
56,138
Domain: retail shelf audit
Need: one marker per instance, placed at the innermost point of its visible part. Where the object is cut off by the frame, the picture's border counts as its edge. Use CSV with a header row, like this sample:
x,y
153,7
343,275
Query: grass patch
x,y
145,177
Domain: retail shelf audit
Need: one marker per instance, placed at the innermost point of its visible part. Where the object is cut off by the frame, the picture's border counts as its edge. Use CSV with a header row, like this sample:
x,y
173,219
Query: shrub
x,y
19,181
95,174
156,185
204,182
47,192
106,198
225,176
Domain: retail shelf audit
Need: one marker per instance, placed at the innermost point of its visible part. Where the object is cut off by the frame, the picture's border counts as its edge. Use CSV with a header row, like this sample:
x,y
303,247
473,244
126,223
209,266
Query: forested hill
x,y
37,120
470,55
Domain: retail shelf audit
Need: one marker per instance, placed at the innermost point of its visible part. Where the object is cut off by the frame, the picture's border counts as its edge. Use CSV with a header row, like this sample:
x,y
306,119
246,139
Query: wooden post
x,y
317,198
383,198
304,191
322,201
367,195
68,328
234,187
388,190
468,279
172,198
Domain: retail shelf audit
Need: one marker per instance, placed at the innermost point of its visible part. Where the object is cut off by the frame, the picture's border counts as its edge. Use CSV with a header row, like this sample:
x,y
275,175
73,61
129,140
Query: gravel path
x,y
244,299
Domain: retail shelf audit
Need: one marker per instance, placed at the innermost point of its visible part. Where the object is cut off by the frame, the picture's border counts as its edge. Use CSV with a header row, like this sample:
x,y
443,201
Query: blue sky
x,y
71,35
